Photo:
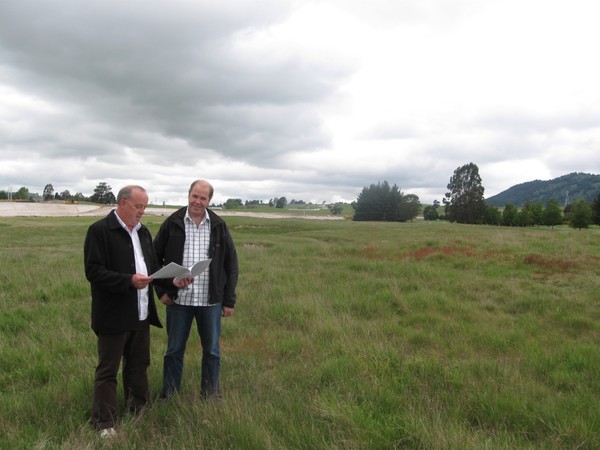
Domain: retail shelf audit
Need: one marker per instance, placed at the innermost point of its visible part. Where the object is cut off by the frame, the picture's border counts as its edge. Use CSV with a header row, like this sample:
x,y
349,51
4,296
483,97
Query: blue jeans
x,y
179,324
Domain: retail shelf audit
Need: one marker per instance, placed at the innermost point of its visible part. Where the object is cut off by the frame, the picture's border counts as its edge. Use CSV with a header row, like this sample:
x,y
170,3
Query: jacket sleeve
x,y
161,240
231,272
100,268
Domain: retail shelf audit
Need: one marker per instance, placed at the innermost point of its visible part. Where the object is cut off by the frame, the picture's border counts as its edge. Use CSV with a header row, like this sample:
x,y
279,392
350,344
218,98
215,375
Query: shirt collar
x,y
135,228
206,217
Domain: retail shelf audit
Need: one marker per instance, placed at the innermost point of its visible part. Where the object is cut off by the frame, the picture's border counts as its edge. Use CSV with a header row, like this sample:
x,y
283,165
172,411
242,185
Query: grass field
x,y
346,336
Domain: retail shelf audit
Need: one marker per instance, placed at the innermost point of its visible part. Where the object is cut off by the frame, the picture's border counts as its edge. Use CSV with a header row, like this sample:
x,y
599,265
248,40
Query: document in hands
x,y
174,270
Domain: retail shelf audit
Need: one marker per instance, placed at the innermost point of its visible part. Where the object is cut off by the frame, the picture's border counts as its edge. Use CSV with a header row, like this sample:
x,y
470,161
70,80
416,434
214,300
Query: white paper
x,y
174,270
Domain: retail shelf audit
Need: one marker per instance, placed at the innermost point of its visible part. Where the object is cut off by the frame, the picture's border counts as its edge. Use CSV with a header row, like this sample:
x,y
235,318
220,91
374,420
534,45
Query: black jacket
x,y
223,269
109,265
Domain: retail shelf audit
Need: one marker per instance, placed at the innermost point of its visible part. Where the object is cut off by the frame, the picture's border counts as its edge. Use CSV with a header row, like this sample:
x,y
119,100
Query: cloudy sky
x,y
308,99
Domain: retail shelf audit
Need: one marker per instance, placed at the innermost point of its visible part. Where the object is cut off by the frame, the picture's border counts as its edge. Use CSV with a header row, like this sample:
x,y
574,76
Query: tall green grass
x,y
346,335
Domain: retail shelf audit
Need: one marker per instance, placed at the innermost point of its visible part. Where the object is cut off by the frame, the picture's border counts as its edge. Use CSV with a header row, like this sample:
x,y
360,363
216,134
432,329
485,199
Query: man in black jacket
x,y
119,257
191,234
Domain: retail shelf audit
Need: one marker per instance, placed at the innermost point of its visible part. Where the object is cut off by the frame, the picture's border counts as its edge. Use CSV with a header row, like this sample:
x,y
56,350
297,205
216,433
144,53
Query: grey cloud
x,y
164,92
174,74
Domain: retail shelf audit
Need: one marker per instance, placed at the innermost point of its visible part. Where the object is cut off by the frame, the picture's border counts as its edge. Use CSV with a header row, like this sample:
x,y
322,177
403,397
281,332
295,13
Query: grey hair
x,y
125,192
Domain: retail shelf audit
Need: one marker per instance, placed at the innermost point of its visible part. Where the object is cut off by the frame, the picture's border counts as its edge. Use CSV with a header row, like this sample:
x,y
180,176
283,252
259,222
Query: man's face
x,y
198,200
131,210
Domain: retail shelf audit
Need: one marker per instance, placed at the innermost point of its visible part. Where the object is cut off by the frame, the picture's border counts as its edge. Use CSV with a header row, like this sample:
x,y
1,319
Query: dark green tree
x,y
534,211
596,210
22,194
464,201
509,215
233,203
281,203
552,214
336,208
430,213
48,193
567,212
103,194
492,215
382,202
581,216
409,207
522,218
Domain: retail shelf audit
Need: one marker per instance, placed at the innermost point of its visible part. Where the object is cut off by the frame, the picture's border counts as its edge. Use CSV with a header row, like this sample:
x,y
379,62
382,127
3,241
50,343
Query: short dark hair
x,y
211,190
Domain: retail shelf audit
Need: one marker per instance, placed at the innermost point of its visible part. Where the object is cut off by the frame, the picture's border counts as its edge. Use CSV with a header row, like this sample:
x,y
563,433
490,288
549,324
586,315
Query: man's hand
x,y
140,281
227,312
178,283
182,282
166,300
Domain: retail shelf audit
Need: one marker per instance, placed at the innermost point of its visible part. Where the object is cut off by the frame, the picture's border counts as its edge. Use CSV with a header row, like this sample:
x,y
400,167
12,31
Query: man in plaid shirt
x,y
191,234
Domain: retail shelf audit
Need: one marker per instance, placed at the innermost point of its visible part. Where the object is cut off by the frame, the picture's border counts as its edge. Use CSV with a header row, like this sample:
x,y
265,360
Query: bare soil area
x,y
49,209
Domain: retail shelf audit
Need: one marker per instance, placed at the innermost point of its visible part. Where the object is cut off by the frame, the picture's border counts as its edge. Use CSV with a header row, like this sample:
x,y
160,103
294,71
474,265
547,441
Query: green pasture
x,y
346,335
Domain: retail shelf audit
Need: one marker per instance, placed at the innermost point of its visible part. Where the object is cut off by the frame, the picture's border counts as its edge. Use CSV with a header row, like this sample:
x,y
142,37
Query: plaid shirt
x,y
197,240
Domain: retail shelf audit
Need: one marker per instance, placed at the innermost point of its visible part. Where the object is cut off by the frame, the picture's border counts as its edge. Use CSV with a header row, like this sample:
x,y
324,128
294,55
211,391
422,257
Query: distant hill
x,y
572,186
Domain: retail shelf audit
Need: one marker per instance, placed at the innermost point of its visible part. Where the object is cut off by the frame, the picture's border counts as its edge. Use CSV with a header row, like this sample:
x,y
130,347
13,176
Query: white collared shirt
x,y
140,267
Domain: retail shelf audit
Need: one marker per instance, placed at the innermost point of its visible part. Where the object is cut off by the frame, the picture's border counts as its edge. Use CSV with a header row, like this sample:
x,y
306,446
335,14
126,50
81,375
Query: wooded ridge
x,y
565,189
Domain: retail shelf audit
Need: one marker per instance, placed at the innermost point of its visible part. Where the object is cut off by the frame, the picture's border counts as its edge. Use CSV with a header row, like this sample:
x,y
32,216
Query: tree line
x,y
102,194
464,203
382,202
276,202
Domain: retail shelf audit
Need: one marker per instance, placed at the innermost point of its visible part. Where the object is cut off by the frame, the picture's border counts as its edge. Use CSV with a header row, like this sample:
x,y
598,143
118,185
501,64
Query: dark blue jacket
x,y
223,269
109,265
